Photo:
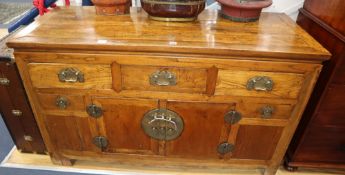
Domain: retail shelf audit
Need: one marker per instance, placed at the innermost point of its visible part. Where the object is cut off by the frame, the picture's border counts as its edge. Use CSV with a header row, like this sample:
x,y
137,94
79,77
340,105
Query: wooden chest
x,y
210,93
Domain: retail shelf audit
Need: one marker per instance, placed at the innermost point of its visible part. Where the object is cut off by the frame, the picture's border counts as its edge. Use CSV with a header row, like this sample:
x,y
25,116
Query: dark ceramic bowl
x,y
173,10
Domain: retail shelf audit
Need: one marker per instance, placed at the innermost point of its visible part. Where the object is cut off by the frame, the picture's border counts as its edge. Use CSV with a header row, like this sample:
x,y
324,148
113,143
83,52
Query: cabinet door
x,y
121,125
204,129
73,133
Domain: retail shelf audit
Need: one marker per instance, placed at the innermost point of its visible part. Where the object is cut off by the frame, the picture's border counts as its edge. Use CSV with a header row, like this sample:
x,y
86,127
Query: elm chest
x,y
209,93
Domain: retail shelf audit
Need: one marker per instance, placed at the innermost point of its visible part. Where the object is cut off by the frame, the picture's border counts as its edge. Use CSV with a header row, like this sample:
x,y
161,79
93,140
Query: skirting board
x,y
15,159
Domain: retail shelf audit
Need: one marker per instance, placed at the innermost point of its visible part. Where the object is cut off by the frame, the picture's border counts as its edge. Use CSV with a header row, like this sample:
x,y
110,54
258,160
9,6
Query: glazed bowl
x,y
112,7
173,10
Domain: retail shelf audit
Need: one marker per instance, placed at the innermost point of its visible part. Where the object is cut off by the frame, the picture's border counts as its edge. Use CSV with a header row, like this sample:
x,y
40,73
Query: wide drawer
x,y
77,76
259,84
164,79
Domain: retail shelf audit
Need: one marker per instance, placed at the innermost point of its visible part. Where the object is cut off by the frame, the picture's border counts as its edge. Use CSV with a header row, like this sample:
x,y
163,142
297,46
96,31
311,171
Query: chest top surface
x,y
80,29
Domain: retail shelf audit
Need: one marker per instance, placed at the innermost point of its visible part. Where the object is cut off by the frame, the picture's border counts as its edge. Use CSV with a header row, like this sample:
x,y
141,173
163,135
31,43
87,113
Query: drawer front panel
x,y
45,75
264,110
151,78
61,102
235,83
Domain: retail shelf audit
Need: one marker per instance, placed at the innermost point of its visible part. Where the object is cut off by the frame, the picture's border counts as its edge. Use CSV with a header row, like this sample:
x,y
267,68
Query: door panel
x,y
204,129
71,132
256,142
121,124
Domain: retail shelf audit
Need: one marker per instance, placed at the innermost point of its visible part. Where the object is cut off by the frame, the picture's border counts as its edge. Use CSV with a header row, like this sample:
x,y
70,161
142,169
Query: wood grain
x,y
274,35
96,76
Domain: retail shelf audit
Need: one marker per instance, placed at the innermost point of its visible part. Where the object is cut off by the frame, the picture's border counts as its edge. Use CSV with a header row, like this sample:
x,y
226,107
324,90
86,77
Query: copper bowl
x,y
173,10
243,10
112,7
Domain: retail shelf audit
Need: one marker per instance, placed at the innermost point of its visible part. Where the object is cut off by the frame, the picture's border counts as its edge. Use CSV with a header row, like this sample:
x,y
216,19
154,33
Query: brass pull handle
x,y
17,113
232,117
94,111
260,83
162,124
62,102
225,147
4,81
71,75
28,138
163,78
266,111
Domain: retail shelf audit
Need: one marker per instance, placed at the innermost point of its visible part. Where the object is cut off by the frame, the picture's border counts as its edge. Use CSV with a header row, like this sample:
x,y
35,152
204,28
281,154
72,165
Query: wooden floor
x,y
35,161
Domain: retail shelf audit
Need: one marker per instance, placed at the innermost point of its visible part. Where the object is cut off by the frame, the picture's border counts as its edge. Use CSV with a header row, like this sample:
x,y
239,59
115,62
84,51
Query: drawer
x,y
164,79
259,84
61,102
77,76
264,110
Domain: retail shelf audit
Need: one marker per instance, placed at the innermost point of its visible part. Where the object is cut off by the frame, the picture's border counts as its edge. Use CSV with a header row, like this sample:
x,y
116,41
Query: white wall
x,y
290,7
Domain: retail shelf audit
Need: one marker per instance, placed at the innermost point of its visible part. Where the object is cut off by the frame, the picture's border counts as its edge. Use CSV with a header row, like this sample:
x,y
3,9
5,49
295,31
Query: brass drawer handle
x,y
71,75
94,111
260,83
4,81
62,102
232,117
162,124
17,113
266,111
163,78
225,147
28,138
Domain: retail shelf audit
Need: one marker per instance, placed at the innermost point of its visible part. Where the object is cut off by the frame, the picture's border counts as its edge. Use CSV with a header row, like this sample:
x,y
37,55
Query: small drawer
x,y
264,110
165,79
61,102
77,76
259,84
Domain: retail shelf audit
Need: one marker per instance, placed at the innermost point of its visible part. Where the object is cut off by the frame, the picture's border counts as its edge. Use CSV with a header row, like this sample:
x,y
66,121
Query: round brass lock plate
x,y
225,147
162,124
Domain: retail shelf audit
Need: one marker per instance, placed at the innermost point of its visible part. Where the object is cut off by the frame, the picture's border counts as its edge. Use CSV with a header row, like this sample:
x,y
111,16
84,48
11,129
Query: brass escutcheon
x,y
162,124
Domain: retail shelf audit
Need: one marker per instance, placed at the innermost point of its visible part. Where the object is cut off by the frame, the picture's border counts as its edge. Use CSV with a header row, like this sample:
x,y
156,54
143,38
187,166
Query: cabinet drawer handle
x,y
71,75
17,113
4,81
266,111
163,78
260,83
62,102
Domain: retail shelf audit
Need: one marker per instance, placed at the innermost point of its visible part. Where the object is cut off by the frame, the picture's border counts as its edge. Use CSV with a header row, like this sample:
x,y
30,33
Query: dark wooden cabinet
x,y
320,138
15,109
